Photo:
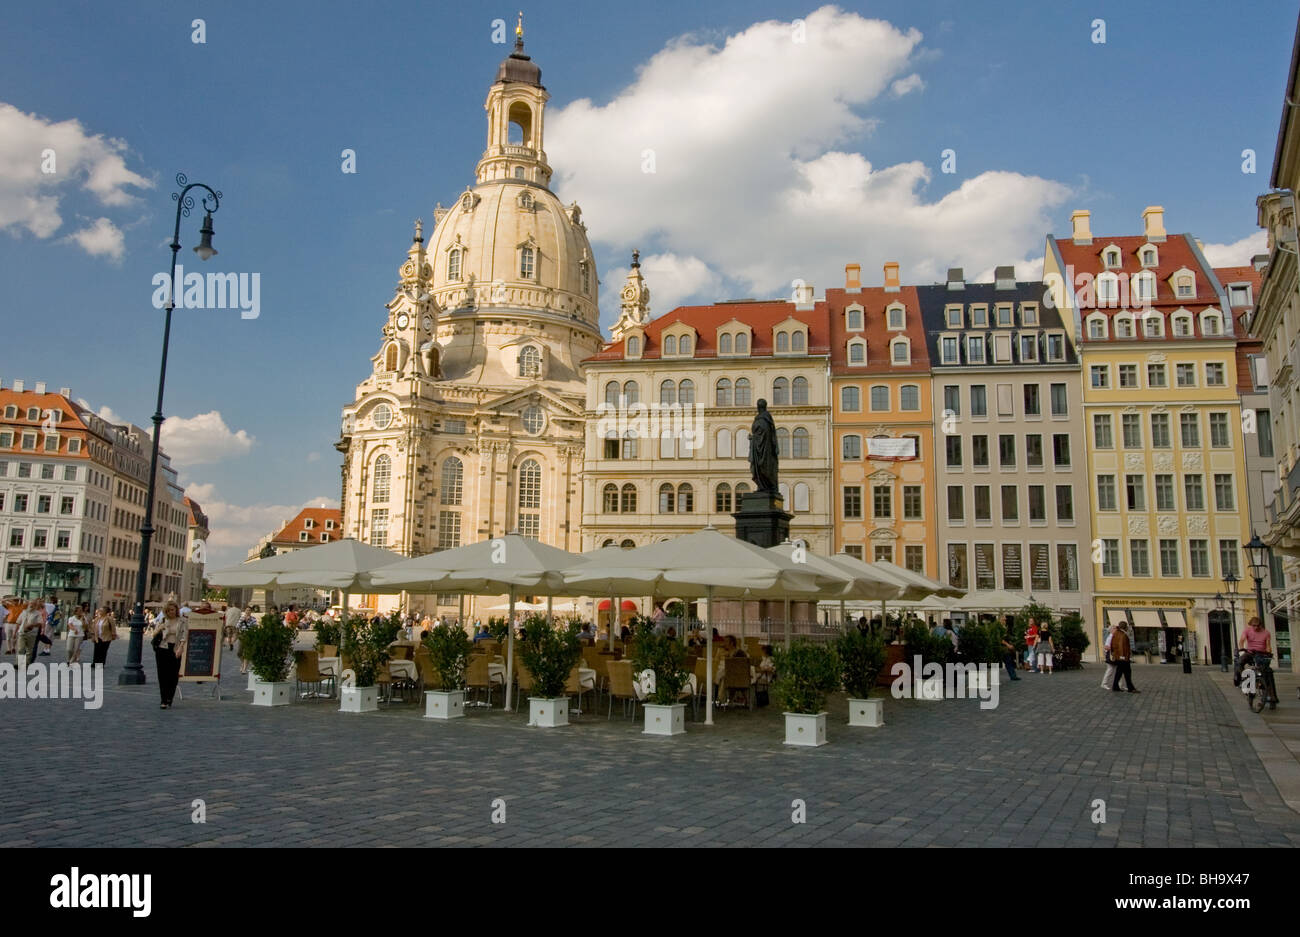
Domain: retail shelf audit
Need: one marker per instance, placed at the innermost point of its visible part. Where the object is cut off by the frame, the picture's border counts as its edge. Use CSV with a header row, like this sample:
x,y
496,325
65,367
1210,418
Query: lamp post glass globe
x,y
205,250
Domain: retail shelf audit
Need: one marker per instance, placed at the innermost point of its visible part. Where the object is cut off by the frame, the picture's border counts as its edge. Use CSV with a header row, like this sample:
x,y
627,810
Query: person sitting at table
x,y
717,638
730,648
483,634
624,634
587,637
766,669
671,632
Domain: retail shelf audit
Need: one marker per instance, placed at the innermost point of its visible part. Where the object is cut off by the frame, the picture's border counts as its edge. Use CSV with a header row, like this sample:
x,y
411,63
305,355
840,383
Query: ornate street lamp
x,y
1230,585
1257,550
1223,651
133,674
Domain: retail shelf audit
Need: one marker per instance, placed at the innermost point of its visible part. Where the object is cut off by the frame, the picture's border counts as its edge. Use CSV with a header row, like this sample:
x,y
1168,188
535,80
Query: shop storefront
x,y
1164,630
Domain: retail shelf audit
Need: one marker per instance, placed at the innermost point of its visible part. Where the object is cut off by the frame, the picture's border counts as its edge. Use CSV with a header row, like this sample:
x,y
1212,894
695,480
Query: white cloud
x,y
1238,253
912,82
31,197
203,439
101,238
236,528
106,413
756,175
313,457
671,278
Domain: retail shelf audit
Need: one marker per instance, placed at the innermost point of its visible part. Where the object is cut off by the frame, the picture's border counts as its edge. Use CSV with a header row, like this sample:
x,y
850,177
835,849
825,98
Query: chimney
x,y
956,278
853,277
65,391
891,277
18,386
1153,218
1004,278
40,387
1082,232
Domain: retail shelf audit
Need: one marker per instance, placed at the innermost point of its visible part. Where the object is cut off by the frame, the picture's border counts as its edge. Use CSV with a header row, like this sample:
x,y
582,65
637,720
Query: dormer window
x,y
684,345
1182,324
1239,295
302,536
742,343
952,316
329,525
1097,327
1184,284
1028,313
1124,327
1150,257
390,357
1028,346
633,346
948,350
670,344
1055,346
857,351
1211,323
526,262
324,538
724,343
796,342
1004,317
1153,325
974,349
309,523
1144,286
782,342
897,317
900,351
853,318
466,202
453,264
1111,258
1107,289
979,317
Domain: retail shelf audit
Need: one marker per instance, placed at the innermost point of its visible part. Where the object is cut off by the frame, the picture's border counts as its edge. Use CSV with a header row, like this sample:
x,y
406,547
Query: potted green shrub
x,y
979,651
666,658
267,646
1071,641
805,674
862,657
365,644
327,634
550,655
449,649
925,655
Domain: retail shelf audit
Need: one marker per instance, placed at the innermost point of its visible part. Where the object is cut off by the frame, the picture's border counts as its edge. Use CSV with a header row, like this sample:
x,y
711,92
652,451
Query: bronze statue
x,y
763,453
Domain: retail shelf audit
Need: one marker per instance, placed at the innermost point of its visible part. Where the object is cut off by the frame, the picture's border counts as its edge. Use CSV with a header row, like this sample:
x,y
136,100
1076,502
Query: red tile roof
x,y
318,516
761,317
70,424
874,300
1247,345
197,517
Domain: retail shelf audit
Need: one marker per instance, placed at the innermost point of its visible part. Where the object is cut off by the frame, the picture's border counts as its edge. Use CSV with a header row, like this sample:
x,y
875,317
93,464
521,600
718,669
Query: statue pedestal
x,y
762,519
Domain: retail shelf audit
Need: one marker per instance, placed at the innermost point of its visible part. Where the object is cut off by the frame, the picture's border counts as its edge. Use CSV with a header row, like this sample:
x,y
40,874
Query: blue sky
x,y
754,132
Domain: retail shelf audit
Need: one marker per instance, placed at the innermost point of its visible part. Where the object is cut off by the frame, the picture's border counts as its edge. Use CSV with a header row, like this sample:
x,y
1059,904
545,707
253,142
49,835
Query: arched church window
x,y
519,174
453,265
530,362
453,477
390,357
609,499
382,480
526,263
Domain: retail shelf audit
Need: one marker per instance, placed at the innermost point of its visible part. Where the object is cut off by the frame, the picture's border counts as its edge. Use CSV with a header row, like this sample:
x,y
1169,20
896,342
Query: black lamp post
x,y
1223,651
1231,584
133,674
1257,550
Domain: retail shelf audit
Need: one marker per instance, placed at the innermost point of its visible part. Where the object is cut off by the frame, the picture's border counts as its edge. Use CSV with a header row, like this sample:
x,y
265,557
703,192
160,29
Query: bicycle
x,y
1257,681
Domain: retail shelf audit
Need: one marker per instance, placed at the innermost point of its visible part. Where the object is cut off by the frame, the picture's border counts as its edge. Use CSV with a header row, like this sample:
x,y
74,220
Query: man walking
x,y
1009,656
1108,681
30,624
1121,652
1031,642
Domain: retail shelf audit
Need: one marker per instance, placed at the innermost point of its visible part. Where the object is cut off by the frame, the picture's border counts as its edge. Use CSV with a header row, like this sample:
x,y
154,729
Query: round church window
x,y
534,419
382,416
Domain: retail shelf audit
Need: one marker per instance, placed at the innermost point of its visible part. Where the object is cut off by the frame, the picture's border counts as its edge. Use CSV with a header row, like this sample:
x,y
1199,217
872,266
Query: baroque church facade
x,y
470,423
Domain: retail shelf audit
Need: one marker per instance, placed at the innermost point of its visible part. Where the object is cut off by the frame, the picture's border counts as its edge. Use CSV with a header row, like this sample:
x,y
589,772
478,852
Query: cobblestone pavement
x,y
1172,765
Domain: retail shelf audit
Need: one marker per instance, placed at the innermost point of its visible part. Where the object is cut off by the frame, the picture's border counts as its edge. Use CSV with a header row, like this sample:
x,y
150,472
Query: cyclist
x,y
1255,639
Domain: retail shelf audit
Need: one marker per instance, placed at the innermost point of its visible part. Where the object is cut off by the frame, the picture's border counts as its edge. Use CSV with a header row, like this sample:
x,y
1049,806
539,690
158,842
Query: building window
x,y
800,443
956,508
609,499
854,550
1106,493
952,399
802,498
1099,375
914,559
530,485
1033,406
43,504
983,503
1214,374
667,392
1199,551
780,392
979,451
722,499
742,392
1185,375
453,264
686,393
1264,429
1194,492
383,477
1010,503
1219,437
884,553
882,502
879,398
1165,493
1060,450
1157,375
63,540
799,392
1132,426
612,393
685,499
852,502
40,539
1189,427
851,448
979,400
1160,438
1135,492
1007,451
850,399
1110,558
912,502
909,397
1064,504
722,393
1060,400
379,527
783,442
1140,561
1229,558
530,362
1033,450
667,499
526,263
1224,500
952,447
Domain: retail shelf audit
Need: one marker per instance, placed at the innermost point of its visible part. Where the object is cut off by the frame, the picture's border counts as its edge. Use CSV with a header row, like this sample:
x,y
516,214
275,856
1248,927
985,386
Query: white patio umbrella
x,y
994,600
914,587
501,564
708,563
345,565
865,583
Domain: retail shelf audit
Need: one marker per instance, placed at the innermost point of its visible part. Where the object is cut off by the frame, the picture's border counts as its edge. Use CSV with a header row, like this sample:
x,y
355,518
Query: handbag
x,y
157,639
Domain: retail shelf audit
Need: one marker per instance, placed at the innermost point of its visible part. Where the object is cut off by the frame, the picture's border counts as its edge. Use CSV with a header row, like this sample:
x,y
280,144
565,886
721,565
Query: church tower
x,y
470,422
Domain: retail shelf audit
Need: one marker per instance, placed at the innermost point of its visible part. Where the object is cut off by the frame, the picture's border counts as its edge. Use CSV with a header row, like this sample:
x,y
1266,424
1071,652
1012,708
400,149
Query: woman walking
x,y
76,634
1044,648
103,632
168,643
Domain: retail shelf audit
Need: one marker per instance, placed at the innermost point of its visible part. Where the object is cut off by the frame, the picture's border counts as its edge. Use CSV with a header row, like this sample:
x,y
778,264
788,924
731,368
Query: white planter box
x,y
272,694
359,699
665,720
444,704
931,689
252,680
548,713
805,729
867,712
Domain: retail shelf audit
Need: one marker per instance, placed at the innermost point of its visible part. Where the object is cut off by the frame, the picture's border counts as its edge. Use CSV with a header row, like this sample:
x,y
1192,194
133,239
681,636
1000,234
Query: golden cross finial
x,y
519,27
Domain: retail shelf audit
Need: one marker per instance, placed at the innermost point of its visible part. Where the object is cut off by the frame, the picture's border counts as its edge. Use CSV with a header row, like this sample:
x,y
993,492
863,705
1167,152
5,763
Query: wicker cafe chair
x,y
428,679
405,684
575,687
477,677
309,674
736,677
523,681
622,686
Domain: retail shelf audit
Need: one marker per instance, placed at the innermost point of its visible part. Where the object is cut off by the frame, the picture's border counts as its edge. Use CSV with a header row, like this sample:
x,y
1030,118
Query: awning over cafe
x,y
1116,616
1146,618
1175,619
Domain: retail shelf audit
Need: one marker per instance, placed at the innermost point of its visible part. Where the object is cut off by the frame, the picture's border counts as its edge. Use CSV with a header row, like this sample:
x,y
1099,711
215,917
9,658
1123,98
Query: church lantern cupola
x,y
516,104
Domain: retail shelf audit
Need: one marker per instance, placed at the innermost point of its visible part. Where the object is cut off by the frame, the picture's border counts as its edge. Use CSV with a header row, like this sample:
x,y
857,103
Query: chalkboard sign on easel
x,y
201,661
